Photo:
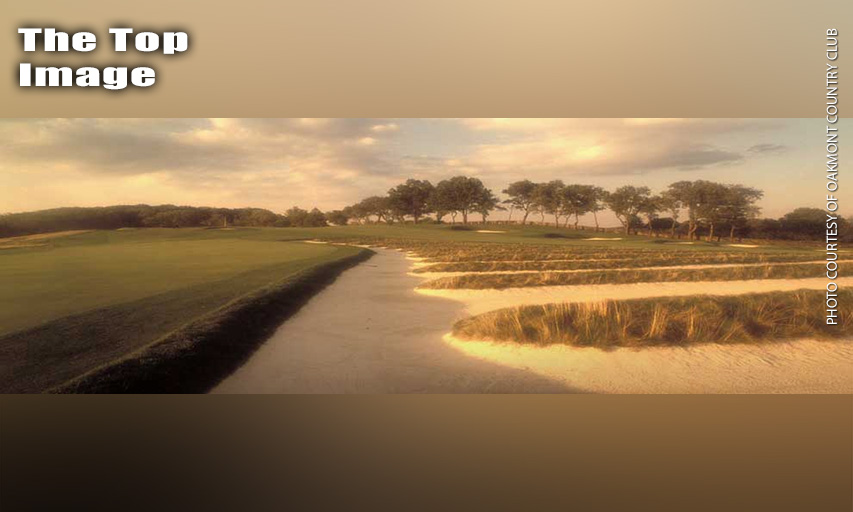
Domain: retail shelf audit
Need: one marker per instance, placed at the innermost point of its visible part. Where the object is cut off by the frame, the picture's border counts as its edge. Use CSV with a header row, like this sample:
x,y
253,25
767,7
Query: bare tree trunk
x,y
672,229
711,232
732,233
524,219
691,232
576,221
595,216
464,216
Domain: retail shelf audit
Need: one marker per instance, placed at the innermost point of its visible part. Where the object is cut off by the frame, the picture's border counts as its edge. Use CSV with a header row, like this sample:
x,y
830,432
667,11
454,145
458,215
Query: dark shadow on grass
x,y
567,236
195,357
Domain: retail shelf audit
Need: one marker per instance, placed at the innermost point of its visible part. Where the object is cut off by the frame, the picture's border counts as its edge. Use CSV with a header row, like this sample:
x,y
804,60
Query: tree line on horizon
x,y
708,209
145,216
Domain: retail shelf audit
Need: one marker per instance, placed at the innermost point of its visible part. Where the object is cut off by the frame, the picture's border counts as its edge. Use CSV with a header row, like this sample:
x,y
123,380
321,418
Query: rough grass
x,y
500,281
612,263
522,253
751,318
533,249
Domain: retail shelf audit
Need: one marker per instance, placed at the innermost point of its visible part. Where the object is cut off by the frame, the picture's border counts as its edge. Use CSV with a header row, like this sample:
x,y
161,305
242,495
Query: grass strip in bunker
x,y
501,281
195,357
752,318
455,251
656,261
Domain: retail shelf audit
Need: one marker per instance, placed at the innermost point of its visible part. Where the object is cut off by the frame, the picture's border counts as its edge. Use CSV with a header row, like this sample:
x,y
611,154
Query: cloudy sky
x,y
329,163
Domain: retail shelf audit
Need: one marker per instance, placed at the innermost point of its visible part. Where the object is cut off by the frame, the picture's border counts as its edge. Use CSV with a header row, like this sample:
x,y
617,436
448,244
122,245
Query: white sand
x,y
480,301
805,366
489,231
603,239
748,246
315,242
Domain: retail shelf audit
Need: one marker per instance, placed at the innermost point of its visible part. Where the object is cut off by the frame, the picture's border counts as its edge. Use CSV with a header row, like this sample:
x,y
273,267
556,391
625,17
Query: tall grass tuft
x,y
501,281
685,321
657,260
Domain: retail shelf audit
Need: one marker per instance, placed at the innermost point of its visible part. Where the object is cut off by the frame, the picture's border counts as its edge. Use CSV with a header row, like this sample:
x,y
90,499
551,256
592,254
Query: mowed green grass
x,y
39,286
79,302
436,235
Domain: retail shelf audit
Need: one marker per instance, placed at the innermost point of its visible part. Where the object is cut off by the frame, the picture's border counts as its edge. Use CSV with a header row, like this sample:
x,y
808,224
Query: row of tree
x,y
167,216
417,198
708,204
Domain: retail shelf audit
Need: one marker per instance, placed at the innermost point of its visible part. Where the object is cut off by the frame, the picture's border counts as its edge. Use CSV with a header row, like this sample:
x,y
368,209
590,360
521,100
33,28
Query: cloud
x,y
238,161
200,149
548,148
767,148
389,127
276,163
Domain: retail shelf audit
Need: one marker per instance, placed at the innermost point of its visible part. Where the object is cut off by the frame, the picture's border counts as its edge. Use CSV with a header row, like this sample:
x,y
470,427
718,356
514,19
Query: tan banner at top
x,y
535,58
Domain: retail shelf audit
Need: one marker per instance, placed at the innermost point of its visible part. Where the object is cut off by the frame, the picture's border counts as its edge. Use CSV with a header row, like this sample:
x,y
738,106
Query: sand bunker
x,y
804,366
20,245
43,236
601,239
18,242
489,231
370,332
747,246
